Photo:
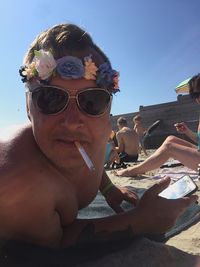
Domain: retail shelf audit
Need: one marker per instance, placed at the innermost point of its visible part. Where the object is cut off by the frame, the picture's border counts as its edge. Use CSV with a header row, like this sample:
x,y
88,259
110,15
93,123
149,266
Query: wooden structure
x,y
184,109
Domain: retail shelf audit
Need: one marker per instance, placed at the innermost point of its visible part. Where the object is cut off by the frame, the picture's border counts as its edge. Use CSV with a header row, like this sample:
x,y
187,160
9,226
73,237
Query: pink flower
x,y
116,81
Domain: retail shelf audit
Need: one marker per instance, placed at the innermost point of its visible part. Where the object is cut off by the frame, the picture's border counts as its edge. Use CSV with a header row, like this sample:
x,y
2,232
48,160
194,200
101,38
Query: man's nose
x,y
72,116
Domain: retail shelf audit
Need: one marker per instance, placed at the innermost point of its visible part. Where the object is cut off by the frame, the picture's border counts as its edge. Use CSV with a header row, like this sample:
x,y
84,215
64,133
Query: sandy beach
x,y
189,239
182,249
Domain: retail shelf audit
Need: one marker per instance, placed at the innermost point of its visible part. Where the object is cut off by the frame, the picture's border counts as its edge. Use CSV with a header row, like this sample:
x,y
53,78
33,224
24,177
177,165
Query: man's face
x,y
137,122
56,134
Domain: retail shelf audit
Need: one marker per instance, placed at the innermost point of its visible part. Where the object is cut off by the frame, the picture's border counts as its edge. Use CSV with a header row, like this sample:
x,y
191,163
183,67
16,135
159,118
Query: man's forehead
x,y
57,81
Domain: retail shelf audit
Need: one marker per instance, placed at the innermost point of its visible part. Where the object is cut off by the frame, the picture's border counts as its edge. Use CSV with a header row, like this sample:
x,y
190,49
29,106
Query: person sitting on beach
x,y
173,147
128,142
111,152
140,130
54,166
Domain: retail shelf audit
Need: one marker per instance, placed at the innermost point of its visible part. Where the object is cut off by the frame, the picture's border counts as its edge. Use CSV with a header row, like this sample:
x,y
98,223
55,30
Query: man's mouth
x,y
66,142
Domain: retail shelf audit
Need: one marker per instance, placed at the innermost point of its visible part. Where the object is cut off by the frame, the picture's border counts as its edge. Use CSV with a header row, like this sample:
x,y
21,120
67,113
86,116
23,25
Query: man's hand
x,y
116,195
155,215
181,127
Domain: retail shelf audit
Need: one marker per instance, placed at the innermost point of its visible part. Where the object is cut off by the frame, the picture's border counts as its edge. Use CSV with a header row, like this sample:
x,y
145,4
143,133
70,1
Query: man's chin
x,y
68,164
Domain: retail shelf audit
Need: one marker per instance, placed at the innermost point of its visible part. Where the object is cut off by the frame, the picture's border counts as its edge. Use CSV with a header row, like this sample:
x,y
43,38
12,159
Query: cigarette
x,y
85,156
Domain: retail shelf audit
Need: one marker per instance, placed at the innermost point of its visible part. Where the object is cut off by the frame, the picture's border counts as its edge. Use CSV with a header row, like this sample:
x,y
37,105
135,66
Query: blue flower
x,y
106,75
70,67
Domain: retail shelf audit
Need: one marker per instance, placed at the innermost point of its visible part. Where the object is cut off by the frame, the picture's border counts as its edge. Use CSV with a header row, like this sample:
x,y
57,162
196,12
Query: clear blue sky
x,y
155,44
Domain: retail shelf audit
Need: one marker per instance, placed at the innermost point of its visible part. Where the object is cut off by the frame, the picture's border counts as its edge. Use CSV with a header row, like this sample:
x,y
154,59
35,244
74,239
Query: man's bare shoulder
x,y
21,159
11,134
125,131
122,131
19,144
45,196
120,134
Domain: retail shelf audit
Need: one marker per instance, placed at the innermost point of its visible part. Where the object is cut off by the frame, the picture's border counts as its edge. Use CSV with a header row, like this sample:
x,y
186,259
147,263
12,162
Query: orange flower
x,y
116,81
29,71
90,69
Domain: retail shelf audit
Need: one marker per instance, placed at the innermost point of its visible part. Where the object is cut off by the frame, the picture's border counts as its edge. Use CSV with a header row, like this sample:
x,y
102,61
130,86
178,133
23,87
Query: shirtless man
x,y
128,142
140,130
53,166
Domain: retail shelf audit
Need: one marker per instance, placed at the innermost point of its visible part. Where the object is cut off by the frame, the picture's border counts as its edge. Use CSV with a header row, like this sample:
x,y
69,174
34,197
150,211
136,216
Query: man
x,y
53,167
140,130
128,142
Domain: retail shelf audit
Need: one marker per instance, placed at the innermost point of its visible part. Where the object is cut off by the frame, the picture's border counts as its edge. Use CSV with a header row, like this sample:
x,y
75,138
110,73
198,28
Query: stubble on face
x,y
52,135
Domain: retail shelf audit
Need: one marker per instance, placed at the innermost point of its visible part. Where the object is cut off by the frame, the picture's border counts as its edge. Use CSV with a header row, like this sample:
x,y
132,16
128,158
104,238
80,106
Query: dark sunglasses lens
x,y
94,102
50,100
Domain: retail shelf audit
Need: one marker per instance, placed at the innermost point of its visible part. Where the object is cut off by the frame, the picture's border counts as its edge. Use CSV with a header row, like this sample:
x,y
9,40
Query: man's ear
x,y
27,106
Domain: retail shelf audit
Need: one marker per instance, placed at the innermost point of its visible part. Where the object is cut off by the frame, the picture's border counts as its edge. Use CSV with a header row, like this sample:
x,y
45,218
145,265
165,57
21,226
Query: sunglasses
x,y
195,95
52,100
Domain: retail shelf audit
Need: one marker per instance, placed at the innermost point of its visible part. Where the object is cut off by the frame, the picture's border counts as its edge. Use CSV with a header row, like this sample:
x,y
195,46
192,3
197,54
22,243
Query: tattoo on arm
x,y
88,235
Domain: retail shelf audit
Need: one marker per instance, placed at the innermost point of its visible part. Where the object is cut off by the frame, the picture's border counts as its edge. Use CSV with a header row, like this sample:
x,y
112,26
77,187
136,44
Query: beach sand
x,y
182,246
182,250
188,240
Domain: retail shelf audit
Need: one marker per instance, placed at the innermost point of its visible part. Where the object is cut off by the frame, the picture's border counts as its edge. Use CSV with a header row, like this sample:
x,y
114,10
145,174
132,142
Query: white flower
x,y
44,63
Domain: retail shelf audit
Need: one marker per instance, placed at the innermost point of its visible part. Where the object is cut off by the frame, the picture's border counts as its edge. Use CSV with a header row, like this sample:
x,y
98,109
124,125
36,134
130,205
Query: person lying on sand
x,y
173,147
54,166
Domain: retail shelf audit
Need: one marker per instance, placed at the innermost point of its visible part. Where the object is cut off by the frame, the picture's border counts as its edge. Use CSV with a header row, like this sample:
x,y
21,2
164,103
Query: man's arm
x,y
93,231
153,215
120,142
191,135
105,181
181,127
199,126
115,195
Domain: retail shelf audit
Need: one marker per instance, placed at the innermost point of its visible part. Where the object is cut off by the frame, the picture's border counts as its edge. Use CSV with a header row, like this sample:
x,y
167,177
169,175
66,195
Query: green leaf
x,y
37,53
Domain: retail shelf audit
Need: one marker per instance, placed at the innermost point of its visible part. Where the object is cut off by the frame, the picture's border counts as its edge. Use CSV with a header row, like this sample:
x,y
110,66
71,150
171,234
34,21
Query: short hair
x,y
122,121
63,39
194,84
137,118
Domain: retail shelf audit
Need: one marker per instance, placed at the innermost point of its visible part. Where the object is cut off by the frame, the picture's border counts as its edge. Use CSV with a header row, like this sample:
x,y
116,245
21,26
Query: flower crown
x,y
44,66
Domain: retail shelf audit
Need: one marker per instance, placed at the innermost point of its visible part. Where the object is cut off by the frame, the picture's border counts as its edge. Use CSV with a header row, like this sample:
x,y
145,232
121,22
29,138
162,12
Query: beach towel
x,y
99,208
176,173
